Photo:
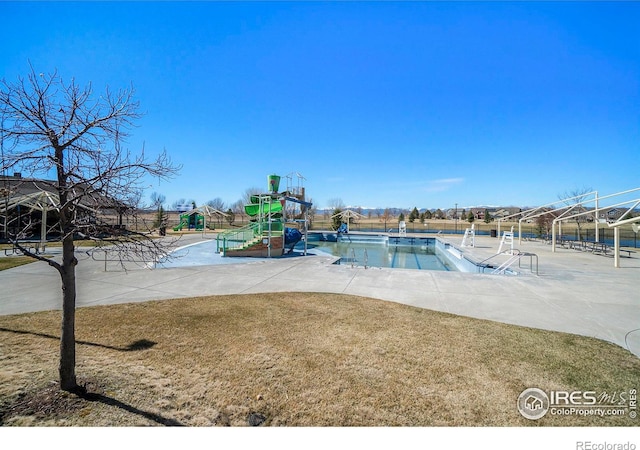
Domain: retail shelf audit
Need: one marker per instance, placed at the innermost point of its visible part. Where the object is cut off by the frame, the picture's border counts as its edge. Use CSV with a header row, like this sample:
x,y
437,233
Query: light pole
x,y
5,190
455,219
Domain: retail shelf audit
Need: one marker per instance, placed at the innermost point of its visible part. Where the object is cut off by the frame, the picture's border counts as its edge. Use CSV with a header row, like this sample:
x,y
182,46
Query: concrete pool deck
x,y
575,292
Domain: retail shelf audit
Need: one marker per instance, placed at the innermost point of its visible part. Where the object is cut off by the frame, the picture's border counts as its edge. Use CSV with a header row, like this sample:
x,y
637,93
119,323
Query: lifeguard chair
x,y
402,228
469,238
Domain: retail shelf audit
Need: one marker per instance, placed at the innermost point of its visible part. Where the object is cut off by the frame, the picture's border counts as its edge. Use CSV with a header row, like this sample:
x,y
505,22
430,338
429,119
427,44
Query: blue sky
x,y
378,104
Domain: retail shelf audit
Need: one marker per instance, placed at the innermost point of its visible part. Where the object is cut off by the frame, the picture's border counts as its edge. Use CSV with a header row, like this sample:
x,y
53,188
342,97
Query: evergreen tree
x,y
337,220
471,217
161,218
414,215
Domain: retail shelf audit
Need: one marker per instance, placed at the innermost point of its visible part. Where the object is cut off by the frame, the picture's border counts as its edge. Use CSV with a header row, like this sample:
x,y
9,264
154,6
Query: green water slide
x,y
267,208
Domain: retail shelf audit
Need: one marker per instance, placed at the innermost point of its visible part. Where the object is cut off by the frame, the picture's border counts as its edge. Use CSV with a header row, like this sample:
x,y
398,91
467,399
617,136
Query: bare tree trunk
x,y
67,368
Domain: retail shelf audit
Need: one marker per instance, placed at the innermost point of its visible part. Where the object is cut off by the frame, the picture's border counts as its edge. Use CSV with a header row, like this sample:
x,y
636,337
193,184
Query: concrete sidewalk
x,y
575,292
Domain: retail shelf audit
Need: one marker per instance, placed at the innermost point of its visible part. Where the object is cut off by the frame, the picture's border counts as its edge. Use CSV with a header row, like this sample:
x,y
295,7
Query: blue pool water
x,y
360,250
383,251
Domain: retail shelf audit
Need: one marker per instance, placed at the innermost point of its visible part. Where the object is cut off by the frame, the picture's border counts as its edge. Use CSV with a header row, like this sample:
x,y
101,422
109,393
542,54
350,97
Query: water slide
x,y
267,208
291,237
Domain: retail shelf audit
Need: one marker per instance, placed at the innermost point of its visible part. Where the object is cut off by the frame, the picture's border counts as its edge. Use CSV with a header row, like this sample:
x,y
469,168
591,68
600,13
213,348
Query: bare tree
x,y
57,127
157,200
544,222
335,203
249,192
575,200
386,217
216,203
311,212
238,209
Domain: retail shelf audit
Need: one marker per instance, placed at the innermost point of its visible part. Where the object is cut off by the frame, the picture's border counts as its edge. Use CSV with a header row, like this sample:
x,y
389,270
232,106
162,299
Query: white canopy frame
x,y
615,225
583,199
596,200
542,210
42,201
616,233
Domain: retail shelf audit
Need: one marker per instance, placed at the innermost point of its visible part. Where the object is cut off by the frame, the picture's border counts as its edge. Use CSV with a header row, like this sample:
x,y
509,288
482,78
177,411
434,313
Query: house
x,y
611,214
478,213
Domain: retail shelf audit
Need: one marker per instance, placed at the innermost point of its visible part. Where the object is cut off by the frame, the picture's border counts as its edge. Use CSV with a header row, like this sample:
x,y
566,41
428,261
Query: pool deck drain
x,y
575,292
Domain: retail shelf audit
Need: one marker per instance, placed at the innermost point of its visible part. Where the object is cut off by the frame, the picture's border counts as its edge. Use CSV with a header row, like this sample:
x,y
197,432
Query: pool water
x,y
382,251
359,250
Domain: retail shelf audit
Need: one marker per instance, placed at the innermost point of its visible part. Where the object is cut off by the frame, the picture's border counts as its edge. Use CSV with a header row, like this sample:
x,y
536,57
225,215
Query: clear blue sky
x,y
378,104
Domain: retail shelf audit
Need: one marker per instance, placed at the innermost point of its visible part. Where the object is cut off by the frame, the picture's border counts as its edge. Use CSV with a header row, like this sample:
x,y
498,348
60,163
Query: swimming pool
x,y
418,253
384,251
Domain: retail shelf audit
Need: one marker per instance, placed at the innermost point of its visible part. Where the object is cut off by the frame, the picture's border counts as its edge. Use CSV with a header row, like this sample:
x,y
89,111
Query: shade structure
x,y
347,215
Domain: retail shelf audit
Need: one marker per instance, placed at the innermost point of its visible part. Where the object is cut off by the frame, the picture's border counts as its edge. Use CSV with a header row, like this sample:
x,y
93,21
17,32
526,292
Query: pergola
x,y
348,214
42,201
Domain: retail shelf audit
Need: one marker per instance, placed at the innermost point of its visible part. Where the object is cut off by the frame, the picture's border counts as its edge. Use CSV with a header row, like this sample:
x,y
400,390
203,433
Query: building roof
x,y
34,192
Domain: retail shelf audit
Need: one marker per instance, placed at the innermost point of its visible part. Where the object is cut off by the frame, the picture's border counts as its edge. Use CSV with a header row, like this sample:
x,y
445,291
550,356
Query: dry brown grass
x,y
295,360
9,262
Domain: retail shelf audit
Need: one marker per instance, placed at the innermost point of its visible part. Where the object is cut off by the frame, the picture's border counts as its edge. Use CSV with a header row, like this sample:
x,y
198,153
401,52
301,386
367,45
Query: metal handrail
x,y
233,239
106,251
530,255
515,257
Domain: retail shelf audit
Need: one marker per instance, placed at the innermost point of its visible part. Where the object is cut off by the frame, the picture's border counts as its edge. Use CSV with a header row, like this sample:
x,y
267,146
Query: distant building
x,y
611,214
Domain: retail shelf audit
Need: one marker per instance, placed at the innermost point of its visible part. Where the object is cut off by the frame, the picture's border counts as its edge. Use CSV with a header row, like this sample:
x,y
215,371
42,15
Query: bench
x,y
33,247
605,249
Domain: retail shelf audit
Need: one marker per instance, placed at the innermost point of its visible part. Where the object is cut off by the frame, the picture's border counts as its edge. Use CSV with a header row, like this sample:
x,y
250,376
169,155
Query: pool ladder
x,y
365,257
515,256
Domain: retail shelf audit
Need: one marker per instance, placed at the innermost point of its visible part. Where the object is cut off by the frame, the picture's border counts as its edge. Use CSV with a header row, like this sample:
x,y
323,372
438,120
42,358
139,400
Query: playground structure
x,y
196,219
575,207
267,235
190,221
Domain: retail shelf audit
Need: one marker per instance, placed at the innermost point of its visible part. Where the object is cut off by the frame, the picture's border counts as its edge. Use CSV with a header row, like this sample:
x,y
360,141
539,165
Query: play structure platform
x,y
267,235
